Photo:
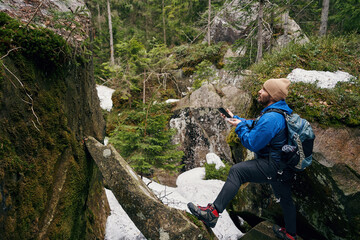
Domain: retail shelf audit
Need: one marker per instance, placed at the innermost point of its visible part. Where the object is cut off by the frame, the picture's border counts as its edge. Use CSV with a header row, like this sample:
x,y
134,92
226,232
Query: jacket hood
x,y
279,105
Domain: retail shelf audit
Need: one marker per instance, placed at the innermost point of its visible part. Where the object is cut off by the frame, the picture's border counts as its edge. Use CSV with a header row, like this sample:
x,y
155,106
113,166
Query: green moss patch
x,y
34,133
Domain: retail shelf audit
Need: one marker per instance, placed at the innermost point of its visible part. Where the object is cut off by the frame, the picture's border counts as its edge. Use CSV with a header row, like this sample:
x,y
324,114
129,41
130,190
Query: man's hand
x,y
234,121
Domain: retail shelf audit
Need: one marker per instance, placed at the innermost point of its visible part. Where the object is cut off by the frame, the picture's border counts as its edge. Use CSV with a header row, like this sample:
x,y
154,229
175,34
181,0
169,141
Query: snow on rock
x,y
212,158
323,79
191,187
119,225
105,94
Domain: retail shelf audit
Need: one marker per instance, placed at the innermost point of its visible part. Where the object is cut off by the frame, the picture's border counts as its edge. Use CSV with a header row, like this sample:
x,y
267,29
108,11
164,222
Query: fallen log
x,y
154,219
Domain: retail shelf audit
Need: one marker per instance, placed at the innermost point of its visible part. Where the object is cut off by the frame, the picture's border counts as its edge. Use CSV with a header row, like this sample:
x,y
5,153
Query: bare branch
x,y
72,30
13,75
35,125
9,52
303,8
27,94
37,9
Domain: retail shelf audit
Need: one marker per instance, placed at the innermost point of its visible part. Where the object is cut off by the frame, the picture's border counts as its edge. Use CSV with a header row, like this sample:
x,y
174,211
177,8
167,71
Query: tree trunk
x,y
209,23
163,18
144,85
146,23
99,17
260,31
272,20
324,18
112,60
154,219
286,22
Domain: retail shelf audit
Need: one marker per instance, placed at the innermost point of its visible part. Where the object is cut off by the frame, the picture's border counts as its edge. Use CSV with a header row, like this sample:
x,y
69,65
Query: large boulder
x,y
262,231
154,219
327,194
49,188
200,128
237,20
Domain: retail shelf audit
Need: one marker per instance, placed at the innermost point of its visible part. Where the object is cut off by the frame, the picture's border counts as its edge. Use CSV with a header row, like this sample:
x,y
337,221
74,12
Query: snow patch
x,y
119,225
323,79
212,158
172,100
104,94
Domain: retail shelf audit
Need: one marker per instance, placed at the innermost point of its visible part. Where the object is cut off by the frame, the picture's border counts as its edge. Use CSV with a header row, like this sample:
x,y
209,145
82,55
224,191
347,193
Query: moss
x,y
46,49
188,71
329,107
232,138
30,155
189,57
196,221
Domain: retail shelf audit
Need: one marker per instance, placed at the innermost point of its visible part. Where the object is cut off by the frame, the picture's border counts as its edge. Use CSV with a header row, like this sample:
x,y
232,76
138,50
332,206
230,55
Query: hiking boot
x,y
209,215
281,233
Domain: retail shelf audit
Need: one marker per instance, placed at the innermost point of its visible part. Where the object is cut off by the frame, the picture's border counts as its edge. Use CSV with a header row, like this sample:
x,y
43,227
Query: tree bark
x,y
99,17
154,219
112,60
209,23
144,85
324,18
260,31
163,18
286,22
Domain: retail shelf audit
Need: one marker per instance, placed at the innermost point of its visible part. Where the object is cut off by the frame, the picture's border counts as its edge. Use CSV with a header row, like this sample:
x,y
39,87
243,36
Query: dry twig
x,y
37,9
31,102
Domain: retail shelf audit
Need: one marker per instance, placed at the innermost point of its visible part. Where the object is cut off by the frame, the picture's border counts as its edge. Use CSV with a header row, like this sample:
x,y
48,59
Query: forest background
x,y
144,48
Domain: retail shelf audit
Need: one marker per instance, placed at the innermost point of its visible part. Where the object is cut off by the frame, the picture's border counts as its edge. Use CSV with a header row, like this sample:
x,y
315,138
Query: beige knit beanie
x,y
277,88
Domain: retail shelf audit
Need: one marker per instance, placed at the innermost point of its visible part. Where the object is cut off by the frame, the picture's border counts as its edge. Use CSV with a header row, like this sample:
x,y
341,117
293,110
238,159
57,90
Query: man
x,y
265,136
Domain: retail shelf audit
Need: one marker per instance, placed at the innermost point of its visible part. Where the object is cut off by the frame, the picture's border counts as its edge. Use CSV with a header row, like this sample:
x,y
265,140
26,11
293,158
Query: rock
x,y
262,231
200,128
154,219
234,22
338,145
326,199
26,10
49,187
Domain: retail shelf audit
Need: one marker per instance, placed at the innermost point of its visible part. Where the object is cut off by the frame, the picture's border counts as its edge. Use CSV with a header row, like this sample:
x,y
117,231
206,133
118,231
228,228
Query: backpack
x,y
297,153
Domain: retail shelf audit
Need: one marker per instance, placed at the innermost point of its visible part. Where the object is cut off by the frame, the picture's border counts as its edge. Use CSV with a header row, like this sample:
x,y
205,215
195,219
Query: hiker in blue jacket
x,y
265,136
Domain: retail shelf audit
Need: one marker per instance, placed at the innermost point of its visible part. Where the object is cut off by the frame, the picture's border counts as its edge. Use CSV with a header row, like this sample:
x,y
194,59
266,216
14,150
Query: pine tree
x,y
144,140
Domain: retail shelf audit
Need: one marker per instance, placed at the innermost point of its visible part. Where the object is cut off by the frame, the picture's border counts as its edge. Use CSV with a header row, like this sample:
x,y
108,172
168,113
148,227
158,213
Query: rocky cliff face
x,y
49,188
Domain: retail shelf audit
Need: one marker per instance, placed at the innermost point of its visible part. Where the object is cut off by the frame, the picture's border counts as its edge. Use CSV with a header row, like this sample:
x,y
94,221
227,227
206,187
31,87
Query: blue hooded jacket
x,y
269,132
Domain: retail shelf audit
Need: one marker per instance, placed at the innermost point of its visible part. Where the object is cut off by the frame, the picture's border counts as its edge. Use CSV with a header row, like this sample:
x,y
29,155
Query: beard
x,y
264,100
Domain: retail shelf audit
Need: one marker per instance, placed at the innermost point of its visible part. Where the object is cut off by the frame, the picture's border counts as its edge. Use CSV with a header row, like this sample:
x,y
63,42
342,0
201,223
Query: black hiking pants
x,y
261,171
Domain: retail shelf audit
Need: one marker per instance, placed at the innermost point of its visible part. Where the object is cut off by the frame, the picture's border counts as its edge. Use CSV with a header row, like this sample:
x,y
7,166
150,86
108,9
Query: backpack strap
x,y
282,112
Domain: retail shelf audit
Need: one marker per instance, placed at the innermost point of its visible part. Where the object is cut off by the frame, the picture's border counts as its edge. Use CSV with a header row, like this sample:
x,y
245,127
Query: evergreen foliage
x,y
212,173
143,138
203,73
